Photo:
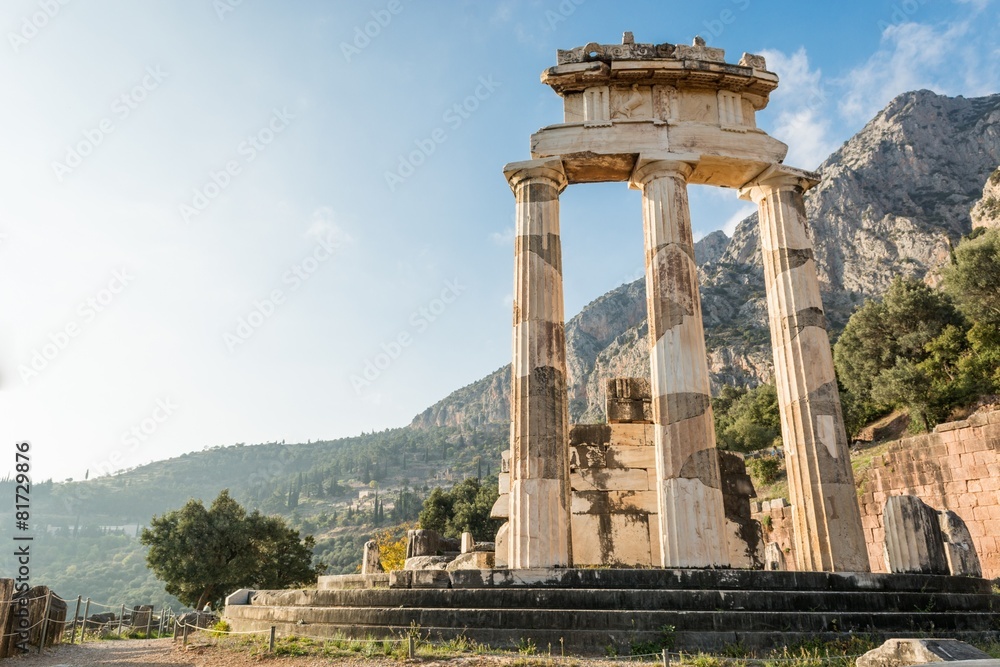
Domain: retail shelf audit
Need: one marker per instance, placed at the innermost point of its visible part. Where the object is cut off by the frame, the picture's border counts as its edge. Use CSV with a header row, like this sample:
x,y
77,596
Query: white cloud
x,y
951,59
503,238
322,226
801,103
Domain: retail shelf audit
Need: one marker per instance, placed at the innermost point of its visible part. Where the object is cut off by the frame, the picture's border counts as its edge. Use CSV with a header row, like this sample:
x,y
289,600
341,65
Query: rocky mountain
x,y
892,201
986,212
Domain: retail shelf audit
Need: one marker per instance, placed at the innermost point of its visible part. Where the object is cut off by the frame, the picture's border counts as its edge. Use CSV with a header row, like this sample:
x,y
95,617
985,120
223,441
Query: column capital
x,y
548,169
659,165
778,177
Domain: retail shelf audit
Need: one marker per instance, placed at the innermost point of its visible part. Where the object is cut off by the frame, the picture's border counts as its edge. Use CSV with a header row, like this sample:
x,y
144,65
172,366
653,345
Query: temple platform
x,y
596,610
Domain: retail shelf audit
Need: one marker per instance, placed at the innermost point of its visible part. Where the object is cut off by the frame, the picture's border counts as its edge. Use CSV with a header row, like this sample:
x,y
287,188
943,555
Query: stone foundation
x,y
957,468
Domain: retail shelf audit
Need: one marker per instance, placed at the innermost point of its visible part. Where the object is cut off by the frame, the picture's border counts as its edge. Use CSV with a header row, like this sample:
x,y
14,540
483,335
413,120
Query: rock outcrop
x,y
986,212
893,200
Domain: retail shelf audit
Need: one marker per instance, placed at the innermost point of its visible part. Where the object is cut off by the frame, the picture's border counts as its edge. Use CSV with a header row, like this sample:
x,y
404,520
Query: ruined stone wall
x,y
957,467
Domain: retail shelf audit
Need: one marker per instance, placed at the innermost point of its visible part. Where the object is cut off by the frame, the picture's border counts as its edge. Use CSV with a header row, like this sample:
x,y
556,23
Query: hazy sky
x,y
213,217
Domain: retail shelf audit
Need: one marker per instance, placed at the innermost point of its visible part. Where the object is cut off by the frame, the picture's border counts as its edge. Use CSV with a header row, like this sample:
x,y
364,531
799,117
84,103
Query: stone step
x,y
589,640
616,599
619,620
692,579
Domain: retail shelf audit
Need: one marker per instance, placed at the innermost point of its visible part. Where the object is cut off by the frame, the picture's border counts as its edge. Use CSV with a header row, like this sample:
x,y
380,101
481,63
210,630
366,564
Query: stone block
x,y
371,562
417,563
586,456
431,579
913,542
468,544
619,456
628,400
774,557
951,426
400,579
501,508
594,435
633,501
504,481
502,546
505,461
960,551
586,535
632,435
905,652
609,480
240,597
473,560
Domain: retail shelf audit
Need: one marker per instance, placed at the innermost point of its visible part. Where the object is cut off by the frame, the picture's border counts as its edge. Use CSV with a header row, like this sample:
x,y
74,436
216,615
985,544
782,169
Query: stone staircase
x,y
594,610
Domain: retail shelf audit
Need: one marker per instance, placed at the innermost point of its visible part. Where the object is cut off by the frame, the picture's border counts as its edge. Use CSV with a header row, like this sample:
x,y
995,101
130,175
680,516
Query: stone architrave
x,y
825,512
913,543
370,561
689,486
539,530
959,549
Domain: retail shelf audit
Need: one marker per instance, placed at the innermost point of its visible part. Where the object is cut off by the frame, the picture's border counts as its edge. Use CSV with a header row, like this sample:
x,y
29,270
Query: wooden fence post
x,y
121,619
149,621
270,644
45,619
86,615
76,615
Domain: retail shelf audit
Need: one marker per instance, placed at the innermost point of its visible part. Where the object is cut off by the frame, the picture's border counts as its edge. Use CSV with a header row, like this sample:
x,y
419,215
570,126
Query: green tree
x,y
747,420
202,554
466,507
885,344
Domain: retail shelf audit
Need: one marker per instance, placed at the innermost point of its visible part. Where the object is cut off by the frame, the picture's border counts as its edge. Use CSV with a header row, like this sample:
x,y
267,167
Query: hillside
x,y
892,200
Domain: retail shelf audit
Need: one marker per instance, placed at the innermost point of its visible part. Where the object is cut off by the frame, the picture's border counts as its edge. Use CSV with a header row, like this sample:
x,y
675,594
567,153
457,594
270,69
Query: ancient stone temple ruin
x,y
649,488
660,117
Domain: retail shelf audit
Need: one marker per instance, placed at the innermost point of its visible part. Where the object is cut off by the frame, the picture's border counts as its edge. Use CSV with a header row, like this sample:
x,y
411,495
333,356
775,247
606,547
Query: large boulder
x,y
906,652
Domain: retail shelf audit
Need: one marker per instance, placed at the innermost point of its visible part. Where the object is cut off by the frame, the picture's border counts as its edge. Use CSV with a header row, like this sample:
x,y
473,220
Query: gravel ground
x,y
163,652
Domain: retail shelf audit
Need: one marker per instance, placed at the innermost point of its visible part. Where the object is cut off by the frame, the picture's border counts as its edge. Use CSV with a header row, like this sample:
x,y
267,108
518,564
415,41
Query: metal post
x,y
45,620
411,648
149,621
121,619
76,617
185,642
86,615
270,644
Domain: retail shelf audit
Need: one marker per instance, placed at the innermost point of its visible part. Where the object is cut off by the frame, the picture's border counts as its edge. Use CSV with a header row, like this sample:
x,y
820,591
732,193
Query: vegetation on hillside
x,y
466,507
926,350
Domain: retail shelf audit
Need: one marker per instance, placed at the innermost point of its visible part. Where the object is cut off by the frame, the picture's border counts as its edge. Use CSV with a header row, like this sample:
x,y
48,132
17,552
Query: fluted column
x,y
825,513
539,533
689,490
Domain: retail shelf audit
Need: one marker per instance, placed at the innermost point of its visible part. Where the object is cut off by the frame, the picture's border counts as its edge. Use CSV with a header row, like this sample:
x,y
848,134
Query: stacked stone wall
x,y
957,468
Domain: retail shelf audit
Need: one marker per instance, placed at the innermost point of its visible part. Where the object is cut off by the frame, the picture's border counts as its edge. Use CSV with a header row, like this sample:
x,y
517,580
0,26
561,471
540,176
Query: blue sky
x,y
199,244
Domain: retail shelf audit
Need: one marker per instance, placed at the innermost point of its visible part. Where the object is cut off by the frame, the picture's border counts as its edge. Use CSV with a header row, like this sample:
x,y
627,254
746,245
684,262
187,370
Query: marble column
x,y
825,513
689,489
539,532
